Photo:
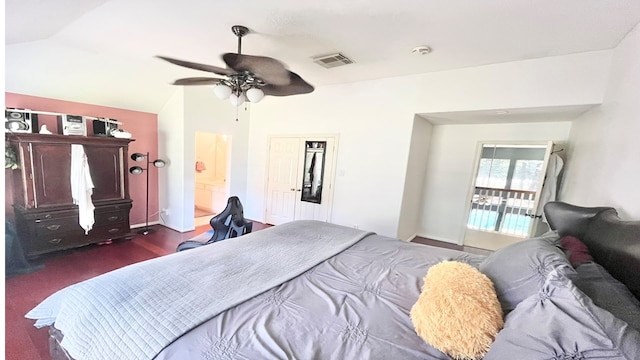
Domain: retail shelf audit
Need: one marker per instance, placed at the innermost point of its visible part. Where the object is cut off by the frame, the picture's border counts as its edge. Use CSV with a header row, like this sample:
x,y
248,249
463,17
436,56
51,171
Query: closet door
x,y
284,158
315,179
300,178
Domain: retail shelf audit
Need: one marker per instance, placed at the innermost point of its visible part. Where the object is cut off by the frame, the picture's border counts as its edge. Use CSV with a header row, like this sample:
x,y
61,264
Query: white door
x,y
505,193
289,190
284,157
307,210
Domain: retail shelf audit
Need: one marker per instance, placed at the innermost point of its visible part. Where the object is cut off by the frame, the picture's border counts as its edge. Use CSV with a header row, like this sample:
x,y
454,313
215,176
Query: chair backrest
x,y
230,222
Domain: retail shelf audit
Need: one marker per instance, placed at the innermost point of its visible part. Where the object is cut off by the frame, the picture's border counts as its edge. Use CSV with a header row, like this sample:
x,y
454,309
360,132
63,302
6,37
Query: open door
x,y
211,188
505,193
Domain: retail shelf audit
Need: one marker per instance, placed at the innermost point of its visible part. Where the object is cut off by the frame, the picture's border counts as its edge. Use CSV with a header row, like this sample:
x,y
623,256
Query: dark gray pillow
x,y
561,322
519,270
608,293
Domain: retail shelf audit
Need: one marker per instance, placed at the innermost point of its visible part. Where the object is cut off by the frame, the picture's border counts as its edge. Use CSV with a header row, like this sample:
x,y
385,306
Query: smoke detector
x,y
421,50
332,60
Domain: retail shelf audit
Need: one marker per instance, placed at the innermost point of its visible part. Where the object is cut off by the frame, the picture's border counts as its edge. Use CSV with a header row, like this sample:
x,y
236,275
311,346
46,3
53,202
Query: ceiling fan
x,y
247,76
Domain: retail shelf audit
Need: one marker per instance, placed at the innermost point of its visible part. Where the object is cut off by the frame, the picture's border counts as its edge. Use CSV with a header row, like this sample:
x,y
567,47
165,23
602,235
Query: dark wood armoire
x,y
46,219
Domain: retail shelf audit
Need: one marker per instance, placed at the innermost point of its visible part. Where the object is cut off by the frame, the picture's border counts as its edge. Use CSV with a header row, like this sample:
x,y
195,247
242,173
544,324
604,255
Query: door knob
x,y
292,189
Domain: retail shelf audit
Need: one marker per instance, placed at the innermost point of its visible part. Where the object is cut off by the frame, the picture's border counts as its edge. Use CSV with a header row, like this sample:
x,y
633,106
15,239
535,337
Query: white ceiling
x,y
101,51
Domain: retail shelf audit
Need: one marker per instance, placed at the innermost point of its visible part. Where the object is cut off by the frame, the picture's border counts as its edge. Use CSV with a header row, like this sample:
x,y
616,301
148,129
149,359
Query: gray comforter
x,y
136,311
353,306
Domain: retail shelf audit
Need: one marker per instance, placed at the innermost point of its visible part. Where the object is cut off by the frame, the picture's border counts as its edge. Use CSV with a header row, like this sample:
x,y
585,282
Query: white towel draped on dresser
x,y
82,187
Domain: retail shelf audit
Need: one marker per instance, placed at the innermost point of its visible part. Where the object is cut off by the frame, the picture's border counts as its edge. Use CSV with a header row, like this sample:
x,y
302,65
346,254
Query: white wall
x,y
450,169
375,121
206,113
171,181
191,110
412,201
603,166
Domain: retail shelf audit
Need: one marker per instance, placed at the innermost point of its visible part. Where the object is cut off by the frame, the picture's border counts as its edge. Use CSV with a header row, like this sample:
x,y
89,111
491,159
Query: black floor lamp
x,y
137,170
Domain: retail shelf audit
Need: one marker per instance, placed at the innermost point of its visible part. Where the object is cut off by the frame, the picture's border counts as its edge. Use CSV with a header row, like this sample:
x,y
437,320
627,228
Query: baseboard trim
x,y
410,239
136,226
436,238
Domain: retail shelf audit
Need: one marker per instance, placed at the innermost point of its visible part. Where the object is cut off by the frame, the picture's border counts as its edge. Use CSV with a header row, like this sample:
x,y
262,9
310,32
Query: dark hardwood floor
x,y
448,245
23,292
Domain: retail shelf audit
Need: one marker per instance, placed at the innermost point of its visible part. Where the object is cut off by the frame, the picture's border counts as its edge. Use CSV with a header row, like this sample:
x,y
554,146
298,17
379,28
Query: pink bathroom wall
x,y
143,127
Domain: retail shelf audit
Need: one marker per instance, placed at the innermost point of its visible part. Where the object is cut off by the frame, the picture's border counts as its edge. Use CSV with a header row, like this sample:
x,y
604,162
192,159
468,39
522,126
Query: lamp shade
x,y
255,95
236,100
137,157
159,163
136,170
222,91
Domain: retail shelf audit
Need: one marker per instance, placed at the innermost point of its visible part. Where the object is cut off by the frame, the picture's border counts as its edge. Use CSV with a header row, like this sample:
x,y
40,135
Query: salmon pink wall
x,y
143,127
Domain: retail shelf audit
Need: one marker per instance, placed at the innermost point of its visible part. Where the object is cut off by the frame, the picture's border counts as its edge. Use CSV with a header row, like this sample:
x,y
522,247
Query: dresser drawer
x,y
110,217
109,231
56,226
59,241
46,230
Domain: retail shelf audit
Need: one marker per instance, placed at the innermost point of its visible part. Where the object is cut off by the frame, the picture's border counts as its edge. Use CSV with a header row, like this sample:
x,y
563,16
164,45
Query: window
x,y
507,180
493,173
526,175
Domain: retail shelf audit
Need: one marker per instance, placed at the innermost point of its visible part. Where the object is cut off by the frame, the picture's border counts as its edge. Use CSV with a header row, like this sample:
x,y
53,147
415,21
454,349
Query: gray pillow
x,y
608,293
519,270
561,322
551,236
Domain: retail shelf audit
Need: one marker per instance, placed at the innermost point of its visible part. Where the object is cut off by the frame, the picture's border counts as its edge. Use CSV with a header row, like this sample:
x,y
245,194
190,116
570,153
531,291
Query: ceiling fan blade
x,y
270,70
203,67
296,86
197,81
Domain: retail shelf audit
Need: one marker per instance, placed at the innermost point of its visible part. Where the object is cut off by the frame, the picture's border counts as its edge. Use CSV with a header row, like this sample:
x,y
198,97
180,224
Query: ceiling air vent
x,y
331,61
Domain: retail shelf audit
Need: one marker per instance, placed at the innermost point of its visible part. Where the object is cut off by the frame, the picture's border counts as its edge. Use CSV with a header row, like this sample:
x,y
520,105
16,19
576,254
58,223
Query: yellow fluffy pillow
x,y
458,311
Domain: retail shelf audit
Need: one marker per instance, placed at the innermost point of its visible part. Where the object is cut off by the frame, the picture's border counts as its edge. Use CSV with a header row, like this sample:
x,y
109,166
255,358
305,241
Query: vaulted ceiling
x,y
102,51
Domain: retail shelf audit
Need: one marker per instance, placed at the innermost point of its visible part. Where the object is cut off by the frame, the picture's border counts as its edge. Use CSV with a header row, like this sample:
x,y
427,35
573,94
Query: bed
x,y
312,290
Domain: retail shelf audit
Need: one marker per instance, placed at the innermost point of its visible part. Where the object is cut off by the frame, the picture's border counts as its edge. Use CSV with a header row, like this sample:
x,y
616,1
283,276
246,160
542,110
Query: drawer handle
x,y
53,227
55,241
114,230
112,218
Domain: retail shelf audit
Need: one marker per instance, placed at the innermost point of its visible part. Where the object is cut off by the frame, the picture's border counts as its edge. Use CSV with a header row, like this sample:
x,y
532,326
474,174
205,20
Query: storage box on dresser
x,y
46,218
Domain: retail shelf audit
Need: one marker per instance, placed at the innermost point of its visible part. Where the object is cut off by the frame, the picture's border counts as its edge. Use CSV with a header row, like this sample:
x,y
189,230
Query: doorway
x,y
300,178
505,193
212,154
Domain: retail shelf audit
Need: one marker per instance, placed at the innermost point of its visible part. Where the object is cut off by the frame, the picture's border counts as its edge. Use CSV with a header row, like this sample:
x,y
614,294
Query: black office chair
x,y
229,223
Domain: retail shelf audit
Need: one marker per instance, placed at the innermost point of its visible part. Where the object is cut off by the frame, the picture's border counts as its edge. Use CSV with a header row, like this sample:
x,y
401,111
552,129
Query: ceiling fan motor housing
x,y
240,30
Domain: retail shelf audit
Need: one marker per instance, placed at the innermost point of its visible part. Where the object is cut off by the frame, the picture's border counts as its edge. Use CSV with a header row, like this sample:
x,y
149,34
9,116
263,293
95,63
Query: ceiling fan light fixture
x,y
236,100
246,77
222,91
255,95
